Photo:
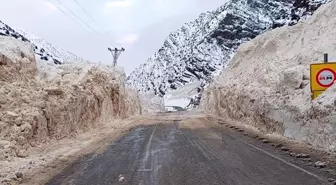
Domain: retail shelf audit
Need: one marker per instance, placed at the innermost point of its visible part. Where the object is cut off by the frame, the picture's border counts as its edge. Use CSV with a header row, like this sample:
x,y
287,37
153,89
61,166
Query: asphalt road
x,y
165,154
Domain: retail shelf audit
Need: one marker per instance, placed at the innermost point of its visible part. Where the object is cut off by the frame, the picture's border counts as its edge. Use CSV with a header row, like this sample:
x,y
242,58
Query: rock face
x,y
43,49
266,84
201,49
40,101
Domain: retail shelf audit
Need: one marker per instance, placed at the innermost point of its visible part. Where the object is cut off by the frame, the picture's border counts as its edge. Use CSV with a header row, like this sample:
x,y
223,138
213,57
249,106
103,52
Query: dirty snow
x,y
41,102
266,85
17,60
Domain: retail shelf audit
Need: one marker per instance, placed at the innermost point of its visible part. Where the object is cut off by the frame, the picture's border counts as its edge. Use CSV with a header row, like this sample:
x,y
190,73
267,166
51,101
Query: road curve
x,y
165,154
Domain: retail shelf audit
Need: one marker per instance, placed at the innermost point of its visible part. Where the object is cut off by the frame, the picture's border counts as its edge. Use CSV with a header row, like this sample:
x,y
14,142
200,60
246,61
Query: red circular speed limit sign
x,y
326,77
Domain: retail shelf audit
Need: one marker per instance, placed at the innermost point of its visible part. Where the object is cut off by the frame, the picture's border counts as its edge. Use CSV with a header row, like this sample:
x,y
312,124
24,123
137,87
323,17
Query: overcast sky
x,y
138,25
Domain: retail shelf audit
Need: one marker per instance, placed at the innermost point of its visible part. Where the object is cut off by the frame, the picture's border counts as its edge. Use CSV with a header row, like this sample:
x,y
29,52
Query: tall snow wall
x,y
267,83
40,101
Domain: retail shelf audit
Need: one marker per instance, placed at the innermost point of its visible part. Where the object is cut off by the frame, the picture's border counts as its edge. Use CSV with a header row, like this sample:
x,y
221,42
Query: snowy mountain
x,y
53,50
201,49
43,49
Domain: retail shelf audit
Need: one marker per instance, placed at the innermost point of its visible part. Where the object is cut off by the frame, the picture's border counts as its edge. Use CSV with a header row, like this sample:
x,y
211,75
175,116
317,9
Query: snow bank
x,y
267,86
150,103
184,96
43,101
17,60
179,102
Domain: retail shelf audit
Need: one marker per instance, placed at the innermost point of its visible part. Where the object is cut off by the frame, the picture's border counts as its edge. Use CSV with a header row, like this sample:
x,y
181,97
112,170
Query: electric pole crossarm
x,y
116,54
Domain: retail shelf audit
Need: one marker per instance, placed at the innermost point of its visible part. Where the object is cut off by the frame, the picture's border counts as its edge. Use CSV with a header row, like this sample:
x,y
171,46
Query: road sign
x,y
325,77
322,76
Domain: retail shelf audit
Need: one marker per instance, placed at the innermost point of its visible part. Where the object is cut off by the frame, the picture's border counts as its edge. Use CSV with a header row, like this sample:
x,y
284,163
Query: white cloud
x,y
129,39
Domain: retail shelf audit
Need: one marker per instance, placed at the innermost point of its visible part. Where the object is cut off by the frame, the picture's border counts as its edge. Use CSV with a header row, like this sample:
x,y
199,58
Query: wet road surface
x,y
165,154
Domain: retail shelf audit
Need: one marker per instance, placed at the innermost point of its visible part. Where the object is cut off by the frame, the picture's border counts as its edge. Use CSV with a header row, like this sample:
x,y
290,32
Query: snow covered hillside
x,y
59,53
201,49
43,49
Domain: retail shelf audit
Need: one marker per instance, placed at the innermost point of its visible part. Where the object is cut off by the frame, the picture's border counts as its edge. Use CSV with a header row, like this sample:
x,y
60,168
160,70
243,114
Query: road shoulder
x,y
46,160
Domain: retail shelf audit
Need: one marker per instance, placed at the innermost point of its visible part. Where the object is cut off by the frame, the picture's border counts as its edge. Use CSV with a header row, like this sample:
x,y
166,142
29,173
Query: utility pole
x,y
115,54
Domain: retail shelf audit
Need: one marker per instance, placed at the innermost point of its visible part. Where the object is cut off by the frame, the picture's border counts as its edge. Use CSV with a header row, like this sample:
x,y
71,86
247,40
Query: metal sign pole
x,y
325,58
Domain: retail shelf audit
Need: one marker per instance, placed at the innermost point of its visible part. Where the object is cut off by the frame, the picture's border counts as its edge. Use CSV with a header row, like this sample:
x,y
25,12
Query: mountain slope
x,y
43,49
53,50
201,49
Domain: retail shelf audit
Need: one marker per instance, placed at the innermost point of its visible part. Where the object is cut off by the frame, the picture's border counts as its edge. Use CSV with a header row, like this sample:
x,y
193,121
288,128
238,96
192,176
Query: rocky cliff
x,y
200,49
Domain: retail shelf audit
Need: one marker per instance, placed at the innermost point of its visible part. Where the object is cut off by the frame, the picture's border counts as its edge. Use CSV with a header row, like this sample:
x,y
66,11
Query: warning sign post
x,y
322,76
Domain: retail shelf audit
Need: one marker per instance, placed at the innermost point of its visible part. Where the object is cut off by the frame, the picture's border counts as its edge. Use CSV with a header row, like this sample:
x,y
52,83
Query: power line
x,y
67,15
91,17
80,20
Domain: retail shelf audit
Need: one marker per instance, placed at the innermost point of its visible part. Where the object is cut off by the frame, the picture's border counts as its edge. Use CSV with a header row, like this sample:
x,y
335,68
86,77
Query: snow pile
x,y
16,63
151,103
44,101
267,86
178,102
184,97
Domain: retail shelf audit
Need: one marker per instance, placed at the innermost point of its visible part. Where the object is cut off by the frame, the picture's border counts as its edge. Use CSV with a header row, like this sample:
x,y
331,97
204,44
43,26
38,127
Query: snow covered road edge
x,y
266,85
